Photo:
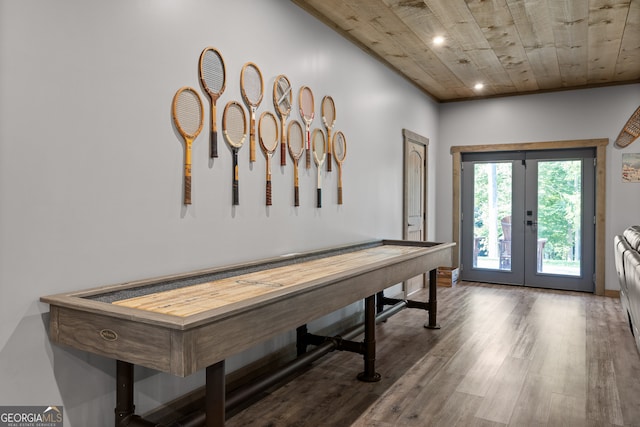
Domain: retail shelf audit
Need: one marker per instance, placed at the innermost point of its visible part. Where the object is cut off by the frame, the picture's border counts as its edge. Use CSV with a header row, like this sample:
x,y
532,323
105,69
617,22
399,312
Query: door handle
x,y
529,222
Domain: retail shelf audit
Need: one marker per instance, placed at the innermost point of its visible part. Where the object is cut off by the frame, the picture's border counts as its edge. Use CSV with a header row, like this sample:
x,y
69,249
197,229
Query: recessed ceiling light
x,y
438,40
478,86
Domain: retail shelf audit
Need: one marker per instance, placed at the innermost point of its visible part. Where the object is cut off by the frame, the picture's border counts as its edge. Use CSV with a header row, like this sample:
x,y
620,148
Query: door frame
x,y
409,138
600,144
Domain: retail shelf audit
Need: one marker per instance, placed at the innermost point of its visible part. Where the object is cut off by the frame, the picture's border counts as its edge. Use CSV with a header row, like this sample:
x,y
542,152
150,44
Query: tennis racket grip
x,y
319,197
283,146
308,158
214,144
252,138
214,132
236,198
328,161
269,193
187,190
339,195
296,196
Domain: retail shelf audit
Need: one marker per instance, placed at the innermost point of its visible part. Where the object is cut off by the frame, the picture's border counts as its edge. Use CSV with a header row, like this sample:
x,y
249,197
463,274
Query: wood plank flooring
x,y
505,356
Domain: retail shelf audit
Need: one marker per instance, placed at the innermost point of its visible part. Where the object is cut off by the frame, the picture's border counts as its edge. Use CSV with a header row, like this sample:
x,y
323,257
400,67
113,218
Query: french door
x,y
528,218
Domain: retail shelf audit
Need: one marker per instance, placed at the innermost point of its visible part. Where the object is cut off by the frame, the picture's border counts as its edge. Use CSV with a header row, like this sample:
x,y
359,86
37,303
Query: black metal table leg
x,y
433,301
215,395
369,374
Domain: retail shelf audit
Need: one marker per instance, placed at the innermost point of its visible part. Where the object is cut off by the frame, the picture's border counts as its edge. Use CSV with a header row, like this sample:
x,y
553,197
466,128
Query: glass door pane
x,y
559,217
492,216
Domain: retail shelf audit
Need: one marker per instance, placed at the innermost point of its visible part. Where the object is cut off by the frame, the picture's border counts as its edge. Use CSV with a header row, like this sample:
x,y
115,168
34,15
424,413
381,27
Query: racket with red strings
x,y
339,154
213,79
328,108
252,88
268,135
234,127
187,112
319,153
295,143
282,97
307,113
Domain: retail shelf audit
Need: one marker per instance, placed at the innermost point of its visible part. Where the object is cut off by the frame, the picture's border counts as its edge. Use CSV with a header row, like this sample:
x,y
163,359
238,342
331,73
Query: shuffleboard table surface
x,y
194,299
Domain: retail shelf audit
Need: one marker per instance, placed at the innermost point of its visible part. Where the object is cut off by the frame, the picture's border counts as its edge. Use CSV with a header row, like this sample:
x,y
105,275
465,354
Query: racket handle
x,y
187,190
319,197
214,144
283,147
214,132
236,202
308,158
328,161
339,195
236,198
252,138
296,196
269,193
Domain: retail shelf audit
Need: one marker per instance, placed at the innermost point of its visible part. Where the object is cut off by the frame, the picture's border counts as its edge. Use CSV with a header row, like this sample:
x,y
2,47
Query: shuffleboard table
x,y
181,324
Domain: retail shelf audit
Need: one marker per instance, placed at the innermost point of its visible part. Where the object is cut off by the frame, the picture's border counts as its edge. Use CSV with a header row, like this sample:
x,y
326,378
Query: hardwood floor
x,y
505,356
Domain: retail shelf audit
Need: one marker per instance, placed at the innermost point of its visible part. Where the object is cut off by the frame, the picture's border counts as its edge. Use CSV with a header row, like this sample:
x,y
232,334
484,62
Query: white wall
x,y
91,167
578,114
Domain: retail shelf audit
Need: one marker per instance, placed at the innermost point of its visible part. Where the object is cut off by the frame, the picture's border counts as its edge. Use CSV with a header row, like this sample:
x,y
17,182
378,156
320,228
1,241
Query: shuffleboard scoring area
x,y
198,298
186,323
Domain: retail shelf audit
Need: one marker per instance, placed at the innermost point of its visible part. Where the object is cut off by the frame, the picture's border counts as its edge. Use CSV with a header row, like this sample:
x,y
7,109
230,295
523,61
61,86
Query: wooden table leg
x,y
215,392
369,374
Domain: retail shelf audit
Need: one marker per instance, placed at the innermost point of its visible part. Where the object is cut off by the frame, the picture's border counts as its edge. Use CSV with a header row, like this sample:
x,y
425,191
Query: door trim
x,y
601,165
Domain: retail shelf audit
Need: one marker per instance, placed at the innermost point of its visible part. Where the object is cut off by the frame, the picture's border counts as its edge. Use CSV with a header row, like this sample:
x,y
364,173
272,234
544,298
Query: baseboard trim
x,y
611,293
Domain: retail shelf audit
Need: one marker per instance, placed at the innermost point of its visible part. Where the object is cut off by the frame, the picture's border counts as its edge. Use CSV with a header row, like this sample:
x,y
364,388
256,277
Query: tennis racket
x,y
329,119
252,88
187,114
234,127
295,142
213,80
319,153
268,135
307,112
339,153
282,97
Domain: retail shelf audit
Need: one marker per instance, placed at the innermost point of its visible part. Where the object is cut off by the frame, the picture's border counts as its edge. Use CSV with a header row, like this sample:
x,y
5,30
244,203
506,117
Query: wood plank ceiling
x,y
510,46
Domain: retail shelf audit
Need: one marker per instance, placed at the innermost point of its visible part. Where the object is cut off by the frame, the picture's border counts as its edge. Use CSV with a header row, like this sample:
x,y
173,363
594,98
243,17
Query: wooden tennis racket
x,y
234,127
187,112
319,154
307,113
339,153
282,97
213,80
268,135
295,142
252,88
328,108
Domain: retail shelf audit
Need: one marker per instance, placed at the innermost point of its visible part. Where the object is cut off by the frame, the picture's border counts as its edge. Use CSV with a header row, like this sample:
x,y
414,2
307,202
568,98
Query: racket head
x,y
339,147
305,100
212,72
295,139
328,108
319,146
282,95
268,132
234,124
187,112
251,84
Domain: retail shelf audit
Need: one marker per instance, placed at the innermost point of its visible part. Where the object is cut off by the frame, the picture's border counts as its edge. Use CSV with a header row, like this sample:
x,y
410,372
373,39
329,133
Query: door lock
x,y
529,222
